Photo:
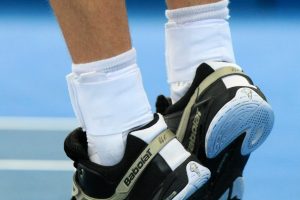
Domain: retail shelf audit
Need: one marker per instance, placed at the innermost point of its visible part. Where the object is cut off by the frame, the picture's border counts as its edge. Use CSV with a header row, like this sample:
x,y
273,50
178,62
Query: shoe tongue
x,y
150,131
203,71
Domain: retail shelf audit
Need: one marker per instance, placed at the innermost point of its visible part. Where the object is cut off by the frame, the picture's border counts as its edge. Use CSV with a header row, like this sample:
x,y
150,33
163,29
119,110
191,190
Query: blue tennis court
x,y
36,115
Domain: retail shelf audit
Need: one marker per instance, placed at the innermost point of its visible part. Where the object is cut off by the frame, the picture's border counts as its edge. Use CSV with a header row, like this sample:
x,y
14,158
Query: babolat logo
x,y
162,139
193,135
135,170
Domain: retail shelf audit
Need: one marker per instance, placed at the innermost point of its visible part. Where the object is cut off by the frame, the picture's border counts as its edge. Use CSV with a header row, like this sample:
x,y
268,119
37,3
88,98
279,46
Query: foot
x,y
222,124
155,167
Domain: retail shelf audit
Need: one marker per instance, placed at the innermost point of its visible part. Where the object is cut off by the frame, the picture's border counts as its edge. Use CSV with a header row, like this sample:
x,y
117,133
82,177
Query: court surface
x,y
34,62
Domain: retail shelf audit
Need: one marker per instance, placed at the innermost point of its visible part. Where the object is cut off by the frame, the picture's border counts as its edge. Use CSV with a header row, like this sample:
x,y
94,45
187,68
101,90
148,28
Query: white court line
x,y
36,165
38,123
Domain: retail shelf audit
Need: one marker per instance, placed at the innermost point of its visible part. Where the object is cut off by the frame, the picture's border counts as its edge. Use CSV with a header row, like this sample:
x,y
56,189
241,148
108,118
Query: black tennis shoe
x,y
155,167
221,120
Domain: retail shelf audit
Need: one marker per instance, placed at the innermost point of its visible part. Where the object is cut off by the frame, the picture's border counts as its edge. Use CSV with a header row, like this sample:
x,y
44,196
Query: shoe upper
x,y
216,93
162,176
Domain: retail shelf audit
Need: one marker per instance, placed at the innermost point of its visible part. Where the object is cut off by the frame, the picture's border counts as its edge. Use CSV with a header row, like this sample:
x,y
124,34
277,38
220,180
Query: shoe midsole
x,y
246,113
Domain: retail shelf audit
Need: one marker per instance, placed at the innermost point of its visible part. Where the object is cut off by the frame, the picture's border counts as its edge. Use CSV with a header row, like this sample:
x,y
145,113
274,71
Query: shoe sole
x,y
246,113
197,177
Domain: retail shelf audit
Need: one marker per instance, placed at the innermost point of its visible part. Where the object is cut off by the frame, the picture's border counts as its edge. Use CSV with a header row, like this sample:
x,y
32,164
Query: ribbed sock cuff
x,y
112,64
218,10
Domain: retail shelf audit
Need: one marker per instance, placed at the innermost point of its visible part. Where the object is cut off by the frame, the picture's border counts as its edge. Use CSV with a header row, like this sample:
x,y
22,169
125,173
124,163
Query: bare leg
x,y
93,29
174,4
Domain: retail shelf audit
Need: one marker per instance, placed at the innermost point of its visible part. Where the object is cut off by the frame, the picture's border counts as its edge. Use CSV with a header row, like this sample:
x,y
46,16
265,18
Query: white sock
x,y
109,100
195,35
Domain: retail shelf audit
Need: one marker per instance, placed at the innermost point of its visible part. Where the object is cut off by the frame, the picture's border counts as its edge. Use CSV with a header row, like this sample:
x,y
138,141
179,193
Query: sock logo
x,y
195,125
136,169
